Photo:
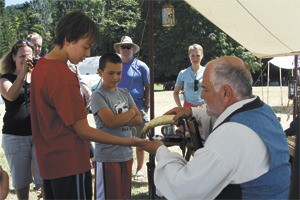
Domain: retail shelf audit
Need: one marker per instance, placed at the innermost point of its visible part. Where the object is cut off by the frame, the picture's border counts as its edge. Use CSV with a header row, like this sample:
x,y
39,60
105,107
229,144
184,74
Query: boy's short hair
x,y
76,25
109,57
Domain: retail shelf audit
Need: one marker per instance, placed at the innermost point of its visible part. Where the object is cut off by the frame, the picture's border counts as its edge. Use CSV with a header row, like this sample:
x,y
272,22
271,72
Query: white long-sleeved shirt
x,y
232,154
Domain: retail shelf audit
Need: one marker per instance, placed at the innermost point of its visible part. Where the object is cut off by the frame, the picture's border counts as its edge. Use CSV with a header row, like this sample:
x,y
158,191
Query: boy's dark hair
x,y
76,25
109,57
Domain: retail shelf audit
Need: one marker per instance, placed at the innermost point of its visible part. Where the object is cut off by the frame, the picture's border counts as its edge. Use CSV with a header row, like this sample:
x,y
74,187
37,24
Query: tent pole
x,y
280,79
268,83
151,163
261,79
295,107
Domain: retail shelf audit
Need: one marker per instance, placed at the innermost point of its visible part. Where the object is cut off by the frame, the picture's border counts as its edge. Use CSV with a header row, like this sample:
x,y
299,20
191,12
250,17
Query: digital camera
x,y
34,61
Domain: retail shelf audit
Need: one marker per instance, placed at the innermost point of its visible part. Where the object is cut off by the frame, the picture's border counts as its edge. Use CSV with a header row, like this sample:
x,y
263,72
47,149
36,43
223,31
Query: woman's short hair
x,y
195,46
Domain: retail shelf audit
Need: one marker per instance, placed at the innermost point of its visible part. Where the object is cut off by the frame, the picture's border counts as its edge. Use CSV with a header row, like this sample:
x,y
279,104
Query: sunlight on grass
x,y
158,87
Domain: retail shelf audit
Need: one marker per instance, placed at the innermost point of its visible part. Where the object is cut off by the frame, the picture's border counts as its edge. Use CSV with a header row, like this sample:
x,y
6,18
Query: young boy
x,y
114,111
60,128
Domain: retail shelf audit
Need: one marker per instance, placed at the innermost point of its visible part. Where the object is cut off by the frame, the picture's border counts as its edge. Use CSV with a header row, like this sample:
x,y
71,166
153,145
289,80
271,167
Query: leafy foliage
x,y
171,45
126,17
118,19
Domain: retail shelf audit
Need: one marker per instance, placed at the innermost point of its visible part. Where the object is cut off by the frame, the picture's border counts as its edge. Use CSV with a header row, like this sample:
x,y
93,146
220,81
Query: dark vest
x,y
275,183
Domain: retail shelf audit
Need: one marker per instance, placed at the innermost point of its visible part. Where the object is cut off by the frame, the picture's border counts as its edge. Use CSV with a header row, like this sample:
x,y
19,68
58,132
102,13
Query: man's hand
x,y
152,146
179,112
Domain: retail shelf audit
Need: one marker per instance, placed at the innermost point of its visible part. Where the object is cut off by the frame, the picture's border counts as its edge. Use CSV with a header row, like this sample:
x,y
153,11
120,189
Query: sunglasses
x,y
196,85
22,43
126,46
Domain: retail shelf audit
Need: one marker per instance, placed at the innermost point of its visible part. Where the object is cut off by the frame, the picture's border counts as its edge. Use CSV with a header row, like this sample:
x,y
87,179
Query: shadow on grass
x,y
144,196
141,190
282,109
12,191
138,184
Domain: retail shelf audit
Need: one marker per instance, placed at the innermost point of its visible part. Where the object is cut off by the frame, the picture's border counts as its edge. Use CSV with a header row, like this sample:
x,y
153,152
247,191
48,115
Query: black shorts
x,y
77,186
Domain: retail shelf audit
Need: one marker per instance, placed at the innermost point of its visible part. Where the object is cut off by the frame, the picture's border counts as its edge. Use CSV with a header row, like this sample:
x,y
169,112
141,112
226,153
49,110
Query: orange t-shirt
x,y
56,104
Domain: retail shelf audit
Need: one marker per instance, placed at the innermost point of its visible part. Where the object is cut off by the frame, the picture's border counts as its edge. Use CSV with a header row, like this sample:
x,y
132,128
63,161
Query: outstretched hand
x,y
152,146
138,142
179,112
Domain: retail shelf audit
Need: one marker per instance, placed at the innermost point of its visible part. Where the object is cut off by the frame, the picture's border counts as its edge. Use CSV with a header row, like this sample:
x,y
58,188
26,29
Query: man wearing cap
x,y
136,78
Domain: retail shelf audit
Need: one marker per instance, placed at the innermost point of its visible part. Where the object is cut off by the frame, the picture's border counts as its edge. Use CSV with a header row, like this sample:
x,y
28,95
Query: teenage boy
x,y
60,128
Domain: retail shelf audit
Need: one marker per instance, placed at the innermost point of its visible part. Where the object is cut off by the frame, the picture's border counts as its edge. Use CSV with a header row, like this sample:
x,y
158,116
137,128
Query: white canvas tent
x,y
281,62
267,28
286,62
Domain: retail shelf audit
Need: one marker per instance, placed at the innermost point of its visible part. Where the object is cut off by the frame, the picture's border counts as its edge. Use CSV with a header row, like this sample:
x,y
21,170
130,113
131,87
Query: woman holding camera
x,y
17,141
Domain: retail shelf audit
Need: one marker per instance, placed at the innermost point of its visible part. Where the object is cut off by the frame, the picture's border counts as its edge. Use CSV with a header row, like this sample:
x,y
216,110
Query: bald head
x,y
37,40
232,71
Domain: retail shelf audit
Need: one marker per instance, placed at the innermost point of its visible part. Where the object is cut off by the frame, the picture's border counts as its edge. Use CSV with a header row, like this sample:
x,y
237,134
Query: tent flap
x,y
287,62
267,28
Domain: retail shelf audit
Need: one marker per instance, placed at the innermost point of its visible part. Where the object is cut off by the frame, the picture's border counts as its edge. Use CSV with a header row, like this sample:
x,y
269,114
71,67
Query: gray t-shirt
x,y
118,102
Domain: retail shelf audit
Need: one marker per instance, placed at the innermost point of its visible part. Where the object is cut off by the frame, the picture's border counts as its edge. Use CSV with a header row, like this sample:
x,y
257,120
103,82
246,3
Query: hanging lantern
x,y
292,88
168,15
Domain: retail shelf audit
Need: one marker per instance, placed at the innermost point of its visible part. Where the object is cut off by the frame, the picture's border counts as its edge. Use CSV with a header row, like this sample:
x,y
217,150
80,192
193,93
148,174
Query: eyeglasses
x,y
196,85
126,46
22,43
